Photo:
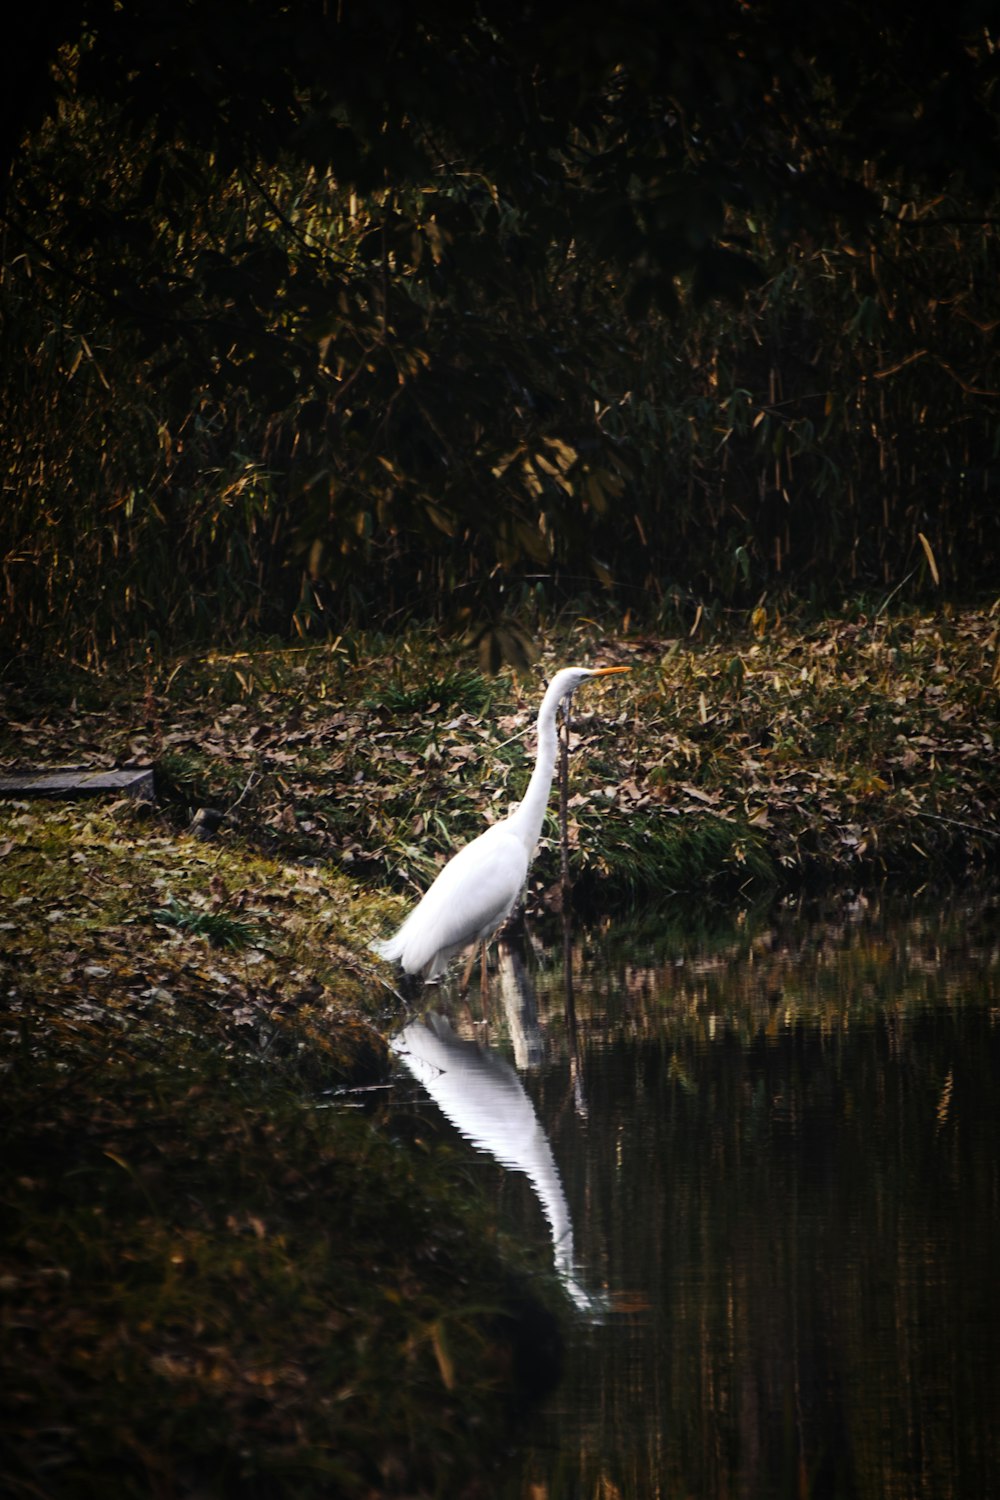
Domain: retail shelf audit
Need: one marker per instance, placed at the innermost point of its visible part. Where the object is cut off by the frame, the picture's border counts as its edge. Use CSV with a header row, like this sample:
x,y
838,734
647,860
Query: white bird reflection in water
x,y
480,1093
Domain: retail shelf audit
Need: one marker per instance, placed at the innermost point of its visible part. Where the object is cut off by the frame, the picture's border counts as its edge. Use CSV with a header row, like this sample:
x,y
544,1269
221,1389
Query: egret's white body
x,y
479,887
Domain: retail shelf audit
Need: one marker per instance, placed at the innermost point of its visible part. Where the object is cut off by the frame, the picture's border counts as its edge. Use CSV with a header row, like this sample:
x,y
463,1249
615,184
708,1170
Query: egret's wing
x,y
472,895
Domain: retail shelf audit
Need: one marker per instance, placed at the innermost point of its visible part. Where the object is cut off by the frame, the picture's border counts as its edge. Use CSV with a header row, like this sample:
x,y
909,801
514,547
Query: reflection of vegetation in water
x,y
790,1160
689,968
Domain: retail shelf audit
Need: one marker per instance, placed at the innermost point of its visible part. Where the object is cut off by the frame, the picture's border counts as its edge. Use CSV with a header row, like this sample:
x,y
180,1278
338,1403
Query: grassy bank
x,y
221,1273
219,1276
846,749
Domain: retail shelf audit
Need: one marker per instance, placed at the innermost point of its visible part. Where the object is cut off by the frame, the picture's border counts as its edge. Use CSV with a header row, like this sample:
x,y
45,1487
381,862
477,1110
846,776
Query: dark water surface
x,y
764,1156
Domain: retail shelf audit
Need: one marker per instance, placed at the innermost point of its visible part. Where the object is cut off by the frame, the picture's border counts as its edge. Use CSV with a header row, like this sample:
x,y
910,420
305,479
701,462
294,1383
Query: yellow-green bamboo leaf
x,y
445,1363
929,554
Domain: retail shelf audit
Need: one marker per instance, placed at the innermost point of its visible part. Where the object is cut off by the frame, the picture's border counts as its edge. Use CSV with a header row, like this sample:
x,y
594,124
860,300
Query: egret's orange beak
x,y
606,671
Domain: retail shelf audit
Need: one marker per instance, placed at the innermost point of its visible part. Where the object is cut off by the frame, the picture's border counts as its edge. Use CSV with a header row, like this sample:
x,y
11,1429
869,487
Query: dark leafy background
x,y
321,314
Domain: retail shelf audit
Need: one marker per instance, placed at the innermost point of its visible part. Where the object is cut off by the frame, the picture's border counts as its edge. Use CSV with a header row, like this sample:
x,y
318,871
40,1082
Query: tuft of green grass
x,y
461,690
196,779
646,855
221,930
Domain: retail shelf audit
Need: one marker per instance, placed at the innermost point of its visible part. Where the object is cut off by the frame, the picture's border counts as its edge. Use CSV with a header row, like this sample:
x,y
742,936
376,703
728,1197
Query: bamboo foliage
x,y
265,390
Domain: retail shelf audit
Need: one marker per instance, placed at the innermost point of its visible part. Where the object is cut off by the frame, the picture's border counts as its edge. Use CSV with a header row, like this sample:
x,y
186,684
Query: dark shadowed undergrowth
x,y
215,1283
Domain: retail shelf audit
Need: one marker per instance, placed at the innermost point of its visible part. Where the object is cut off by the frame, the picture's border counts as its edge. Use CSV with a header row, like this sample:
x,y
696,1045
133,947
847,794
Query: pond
x,y
763,1154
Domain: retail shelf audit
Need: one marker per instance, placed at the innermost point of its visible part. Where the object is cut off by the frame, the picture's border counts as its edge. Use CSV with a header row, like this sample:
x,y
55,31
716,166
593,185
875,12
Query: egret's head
x,y
569,679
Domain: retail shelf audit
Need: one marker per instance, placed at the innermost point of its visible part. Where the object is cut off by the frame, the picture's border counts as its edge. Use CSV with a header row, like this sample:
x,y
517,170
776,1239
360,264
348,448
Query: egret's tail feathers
x,y
413,954
389,948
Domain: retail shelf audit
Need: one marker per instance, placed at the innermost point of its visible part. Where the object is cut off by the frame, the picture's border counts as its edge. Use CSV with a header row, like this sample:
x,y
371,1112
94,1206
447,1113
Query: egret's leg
x,y
467,971
483,984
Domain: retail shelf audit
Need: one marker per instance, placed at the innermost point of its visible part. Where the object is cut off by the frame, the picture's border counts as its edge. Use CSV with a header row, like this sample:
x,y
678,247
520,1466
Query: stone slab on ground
x,y
79,781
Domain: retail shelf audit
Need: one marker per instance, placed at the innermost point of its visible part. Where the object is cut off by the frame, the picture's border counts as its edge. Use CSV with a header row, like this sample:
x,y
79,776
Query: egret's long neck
x,y
527,818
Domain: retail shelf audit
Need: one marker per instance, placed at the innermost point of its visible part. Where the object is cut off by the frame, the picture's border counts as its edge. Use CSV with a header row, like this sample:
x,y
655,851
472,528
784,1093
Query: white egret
x,y
478,888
